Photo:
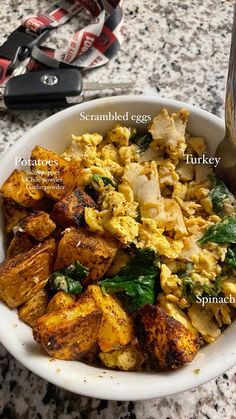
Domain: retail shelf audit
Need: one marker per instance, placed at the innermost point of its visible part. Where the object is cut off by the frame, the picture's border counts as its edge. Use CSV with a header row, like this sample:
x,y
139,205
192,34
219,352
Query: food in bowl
x,y
120,252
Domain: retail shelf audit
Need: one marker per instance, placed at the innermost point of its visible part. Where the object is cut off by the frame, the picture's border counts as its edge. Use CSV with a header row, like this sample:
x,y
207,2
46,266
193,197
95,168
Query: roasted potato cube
x,y
61,300
38,225
70,333
166,342
34,308
93,251
116,328
58,177
70,210
121,259
19,244
27,273
13,213
19,188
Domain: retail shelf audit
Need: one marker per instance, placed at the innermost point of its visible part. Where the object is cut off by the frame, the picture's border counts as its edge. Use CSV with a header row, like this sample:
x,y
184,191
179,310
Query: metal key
x,y
52,88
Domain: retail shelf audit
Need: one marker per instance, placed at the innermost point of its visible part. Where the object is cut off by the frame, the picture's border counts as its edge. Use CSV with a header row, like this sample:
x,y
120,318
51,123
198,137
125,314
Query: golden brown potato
x,y
70,210
166,342
19,244
34,308
19,188
116,328
60,301
27,273
121,259
38,225
57,177
70,333
93,251
13,213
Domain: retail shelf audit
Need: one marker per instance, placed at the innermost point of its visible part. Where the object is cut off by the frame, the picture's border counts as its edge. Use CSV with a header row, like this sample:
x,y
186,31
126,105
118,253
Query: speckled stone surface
x,y
177,49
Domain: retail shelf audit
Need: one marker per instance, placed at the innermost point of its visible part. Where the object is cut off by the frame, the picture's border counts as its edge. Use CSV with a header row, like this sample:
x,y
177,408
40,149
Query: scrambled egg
x,y
119,136
197,144
152,198
124,228
129,358
152,236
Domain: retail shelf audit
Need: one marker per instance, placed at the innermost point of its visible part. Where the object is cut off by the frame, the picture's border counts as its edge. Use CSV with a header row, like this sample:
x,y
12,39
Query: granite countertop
x,y
176,49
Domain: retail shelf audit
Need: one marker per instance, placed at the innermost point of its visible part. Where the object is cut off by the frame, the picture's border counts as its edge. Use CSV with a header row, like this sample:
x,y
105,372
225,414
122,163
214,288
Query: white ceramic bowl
x,y
55,133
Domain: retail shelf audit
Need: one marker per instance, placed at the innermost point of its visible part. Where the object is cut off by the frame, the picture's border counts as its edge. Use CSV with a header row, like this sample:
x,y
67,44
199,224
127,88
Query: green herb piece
x,y
76,270
60,282
100,181
230,258
69,279
188,284
212,289
141,140
133,135
219,194
105,180
186,271
192,289
189,289
139,218
136,284
224,232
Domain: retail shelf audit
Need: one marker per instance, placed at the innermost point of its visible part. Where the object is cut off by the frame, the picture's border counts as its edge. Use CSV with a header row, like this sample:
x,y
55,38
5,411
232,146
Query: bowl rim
x,y
99,390
115,99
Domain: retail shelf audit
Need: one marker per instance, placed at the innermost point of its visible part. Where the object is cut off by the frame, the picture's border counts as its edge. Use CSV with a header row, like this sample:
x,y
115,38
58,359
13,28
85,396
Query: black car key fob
x,y
52,88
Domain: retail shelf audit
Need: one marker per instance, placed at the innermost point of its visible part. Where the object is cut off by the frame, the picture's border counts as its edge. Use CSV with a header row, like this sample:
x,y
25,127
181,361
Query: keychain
x,y
54,78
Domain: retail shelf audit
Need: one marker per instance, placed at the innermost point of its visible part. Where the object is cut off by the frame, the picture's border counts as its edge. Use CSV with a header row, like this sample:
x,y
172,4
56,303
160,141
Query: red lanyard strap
x,y
90,47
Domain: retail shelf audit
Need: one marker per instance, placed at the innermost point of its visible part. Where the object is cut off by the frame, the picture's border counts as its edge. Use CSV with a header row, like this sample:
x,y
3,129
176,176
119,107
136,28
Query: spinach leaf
x,y
69,279
218,194
188,283
189,288
141,140
215,288
60,282
76,270
192,289
105,180
139,218
230,258
101,181
136,284
186,271
224,232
